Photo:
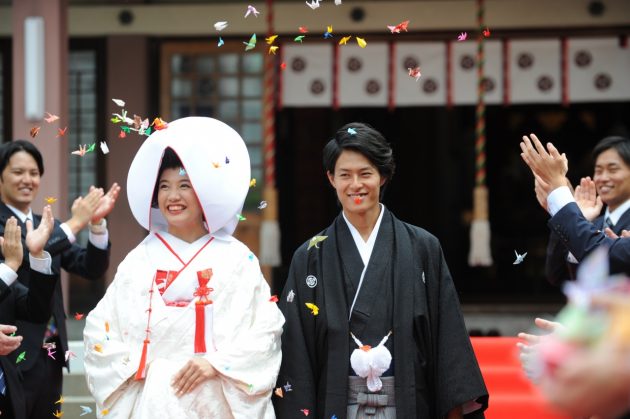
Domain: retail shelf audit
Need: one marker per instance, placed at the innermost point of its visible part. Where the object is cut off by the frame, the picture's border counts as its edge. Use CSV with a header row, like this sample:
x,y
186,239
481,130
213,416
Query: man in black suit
x,y
21,167
611,181
18,302
568,219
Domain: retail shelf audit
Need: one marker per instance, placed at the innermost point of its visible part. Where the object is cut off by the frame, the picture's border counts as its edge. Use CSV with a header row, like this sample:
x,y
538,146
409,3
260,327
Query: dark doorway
x,y
432,187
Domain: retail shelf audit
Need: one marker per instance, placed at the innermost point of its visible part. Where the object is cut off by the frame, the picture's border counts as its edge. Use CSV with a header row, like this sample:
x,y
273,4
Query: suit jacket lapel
x,y
623,223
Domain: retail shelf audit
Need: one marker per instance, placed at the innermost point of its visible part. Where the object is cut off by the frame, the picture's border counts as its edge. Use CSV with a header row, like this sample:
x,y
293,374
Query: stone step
x,y
72,407
74,385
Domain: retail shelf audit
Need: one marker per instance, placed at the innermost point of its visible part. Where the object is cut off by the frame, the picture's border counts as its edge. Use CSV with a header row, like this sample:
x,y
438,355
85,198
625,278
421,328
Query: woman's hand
x,y
196,371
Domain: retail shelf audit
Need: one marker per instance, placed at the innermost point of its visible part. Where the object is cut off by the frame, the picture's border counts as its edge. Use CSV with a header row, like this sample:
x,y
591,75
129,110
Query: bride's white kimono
x,y
242,334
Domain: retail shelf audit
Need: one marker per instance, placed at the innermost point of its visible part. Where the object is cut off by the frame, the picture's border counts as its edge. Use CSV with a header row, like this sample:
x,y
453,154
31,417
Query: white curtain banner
x,y
599,70
363,74
430,88
464,67
535,71
307,79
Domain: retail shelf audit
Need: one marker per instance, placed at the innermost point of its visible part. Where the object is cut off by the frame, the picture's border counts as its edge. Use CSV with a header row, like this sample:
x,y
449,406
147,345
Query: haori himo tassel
x,y
371,363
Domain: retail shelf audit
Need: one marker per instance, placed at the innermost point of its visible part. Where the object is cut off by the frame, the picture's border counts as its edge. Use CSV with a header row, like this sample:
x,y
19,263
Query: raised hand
x,y
528,350
105,204
586,198
548,164
8,343
36,239
83,209
542,191
195,372
11,244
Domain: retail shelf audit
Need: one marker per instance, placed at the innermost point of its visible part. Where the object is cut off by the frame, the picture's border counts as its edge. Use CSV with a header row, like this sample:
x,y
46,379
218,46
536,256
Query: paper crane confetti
x,y
60,401
78,316
314,309
262,205
85,410
159,124
299,38
415,73
278,392
303,29
352,131
252,183
486,33
219,26
221,42
251,44
34,131
61,132
251,9
105,412
462,36
287,387
70,354
50,118
273,49
361,42
119,102
270,40
400,27
58,414
81,151
21,357
139,124
274,298
50,200
283,65
51,354
519,258
104,147
329,32
344,40
241,217
315,241
358,200
290,296
314,4
305,411
98,348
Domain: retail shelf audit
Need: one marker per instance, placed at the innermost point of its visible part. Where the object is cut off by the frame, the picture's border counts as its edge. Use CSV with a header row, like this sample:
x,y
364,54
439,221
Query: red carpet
x,y
512,395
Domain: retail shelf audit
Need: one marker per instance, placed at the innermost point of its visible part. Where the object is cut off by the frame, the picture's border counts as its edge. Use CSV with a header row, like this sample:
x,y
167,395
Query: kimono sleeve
x,y
458,378
298,343
246,329
109,362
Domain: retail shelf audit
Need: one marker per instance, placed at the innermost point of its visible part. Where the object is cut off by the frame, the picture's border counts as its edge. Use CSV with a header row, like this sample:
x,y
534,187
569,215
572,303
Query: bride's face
x,y
178,201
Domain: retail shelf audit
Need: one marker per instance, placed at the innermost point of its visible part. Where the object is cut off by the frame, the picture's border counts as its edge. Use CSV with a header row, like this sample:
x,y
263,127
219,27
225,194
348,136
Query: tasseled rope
x,y
480,254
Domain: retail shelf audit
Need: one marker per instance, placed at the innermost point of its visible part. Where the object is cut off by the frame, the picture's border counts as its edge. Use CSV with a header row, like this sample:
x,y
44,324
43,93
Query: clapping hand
x,y
11,244
105,204
83,209
36,239
587,199
548,164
